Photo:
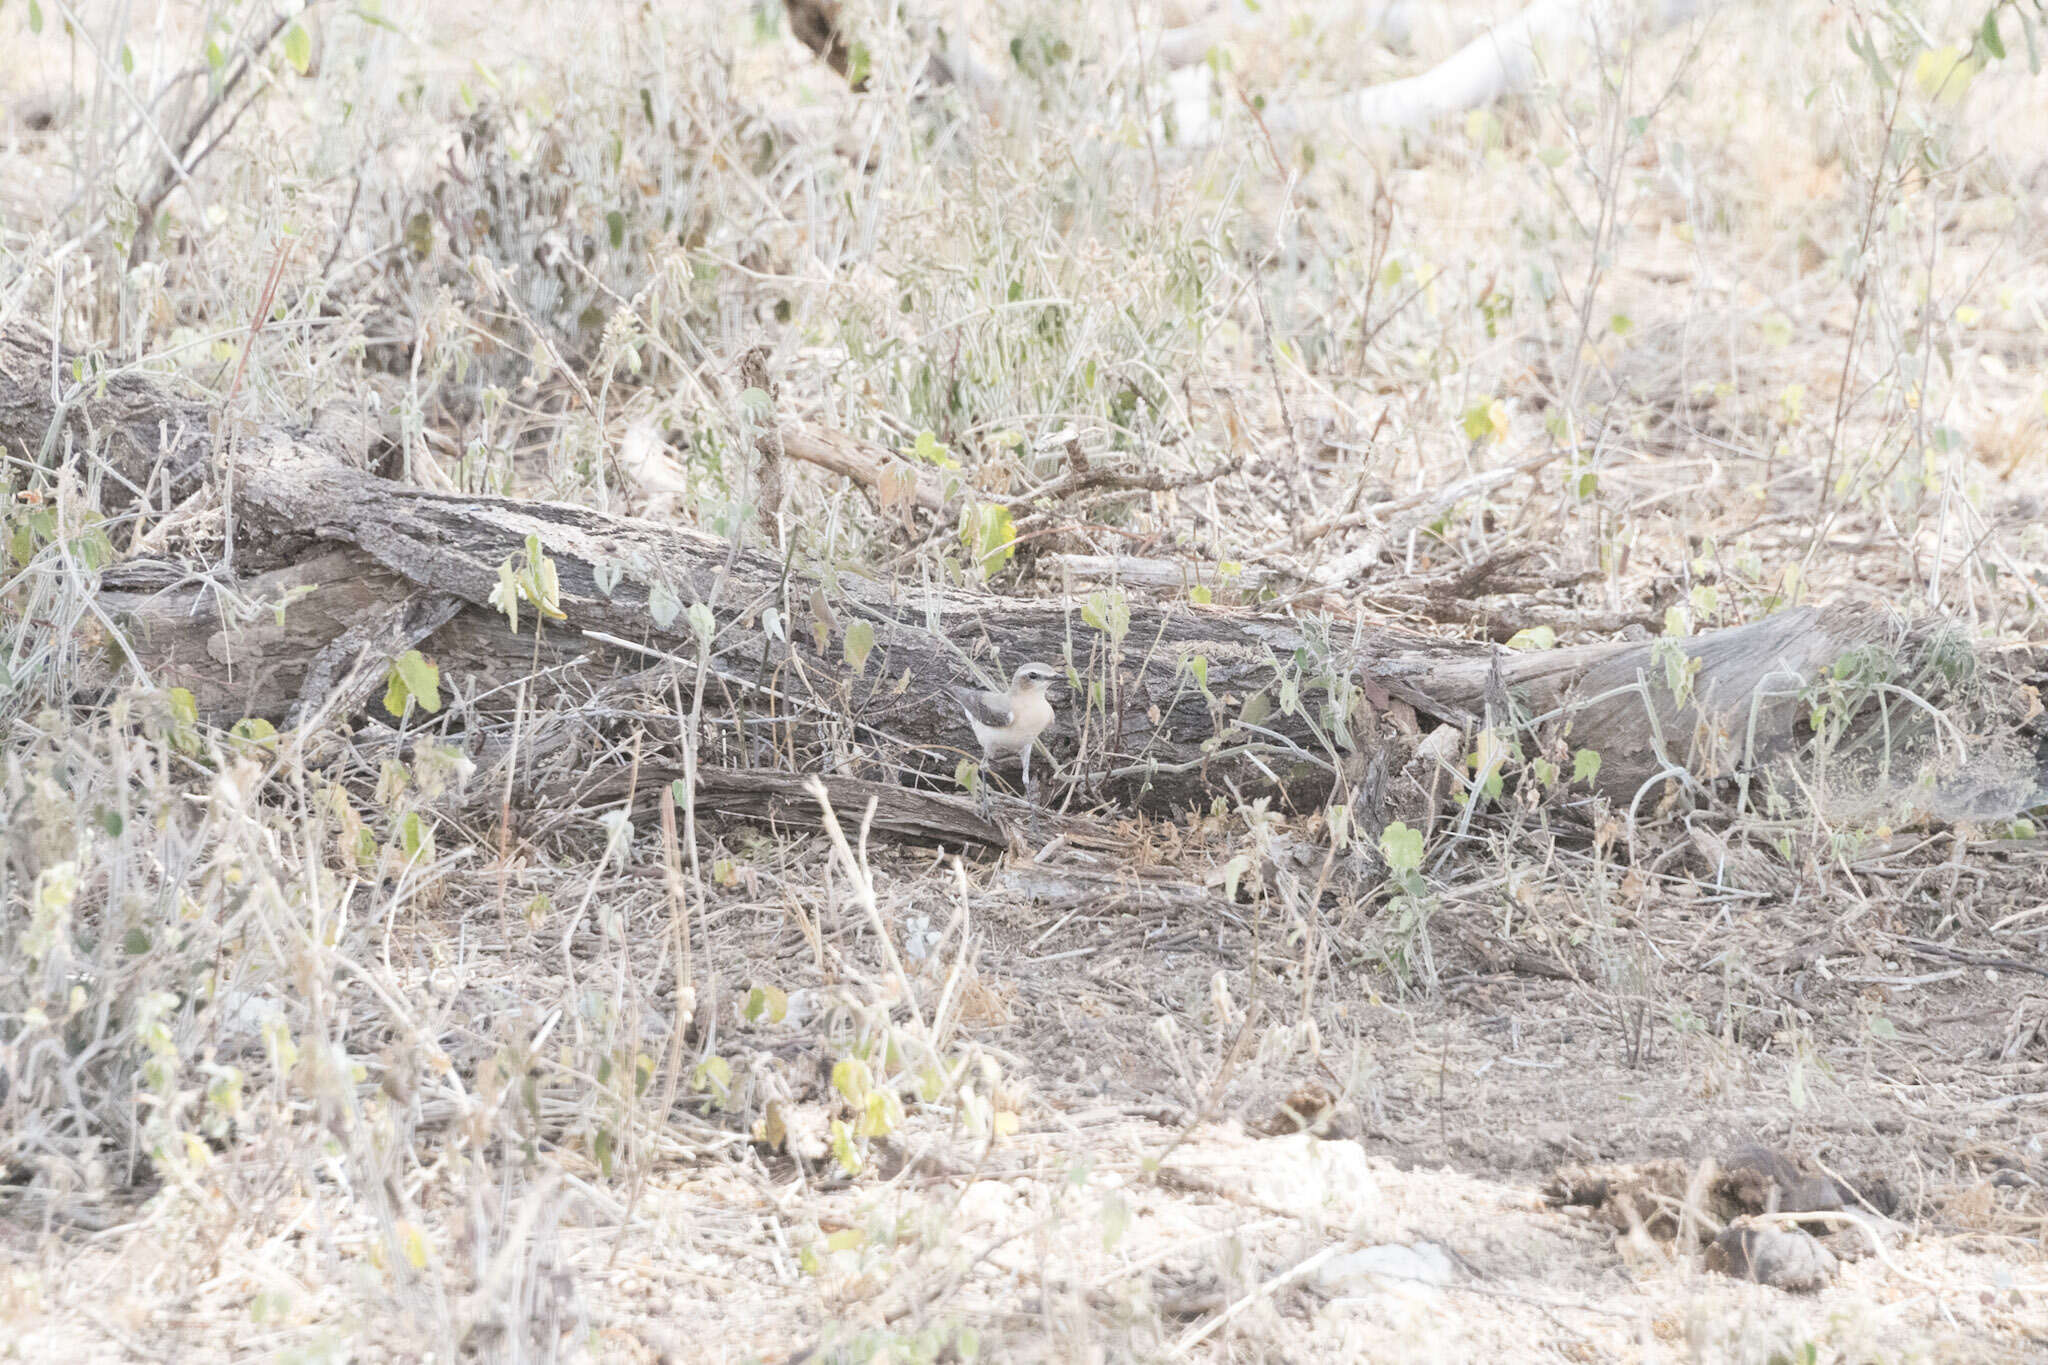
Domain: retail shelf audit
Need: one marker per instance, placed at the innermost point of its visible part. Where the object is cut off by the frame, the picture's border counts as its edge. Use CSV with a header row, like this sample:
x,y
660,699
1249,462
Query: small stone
x,y
1784,1258
1371,1270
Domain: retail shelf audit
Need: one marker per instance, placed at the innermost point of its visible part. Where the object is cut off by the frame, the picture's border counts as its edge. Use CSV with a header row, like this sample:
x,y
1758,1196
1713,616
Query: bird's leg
x,y
981,788
1037,820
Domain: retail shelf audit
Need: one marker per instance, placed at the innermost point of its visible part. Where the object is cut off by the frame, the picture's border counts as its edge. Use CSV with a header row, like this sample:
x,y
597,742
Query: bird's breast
x,y
1033,715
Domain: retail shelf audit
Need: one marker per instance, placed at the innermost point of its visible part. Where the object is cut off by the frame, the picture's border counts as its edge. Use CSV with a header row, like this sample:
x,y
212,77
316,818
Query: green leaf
x,y
615,228
543,585
929,449
881,1115
421,677
412,680
989,533
254,730
843,1148
1988,35
601,1147
1533,638
127,60
702,623
184,735
1109,612
416,838
713,1074
663,605
1257,708
35,18
860,642
298,48
851,1078
1486,420
767,1005
1585,765
1401,847
136,943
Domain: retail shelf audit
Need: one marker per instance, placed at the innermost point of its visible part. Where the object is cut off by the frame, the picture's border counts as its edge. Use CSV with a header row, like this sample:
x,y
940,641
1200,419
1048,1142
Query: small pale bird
x,y
1009,722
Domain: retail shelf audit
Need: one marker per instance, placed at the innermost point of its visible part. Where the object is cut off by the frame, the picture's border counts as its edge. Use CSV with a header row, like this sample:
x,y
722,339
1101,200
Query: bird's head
x,y
1033,678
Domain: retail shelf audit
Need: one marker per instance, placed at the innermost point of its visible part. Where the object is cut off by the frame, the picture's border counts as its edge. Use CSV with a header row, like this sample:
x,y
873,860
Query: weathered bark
x,y
1175,702
146,442
782,798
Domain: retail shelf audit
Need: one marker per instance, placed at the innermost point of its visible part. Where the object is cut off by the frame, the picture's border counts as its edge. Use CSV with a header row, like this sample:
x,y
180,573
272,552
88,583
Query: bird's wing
x,y
990,709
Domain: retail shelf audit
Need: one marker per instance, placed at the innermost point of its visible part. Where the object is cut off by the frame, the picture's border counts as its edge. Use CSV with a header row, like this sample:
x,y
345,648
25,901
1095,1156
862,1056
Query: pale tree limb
x,y
1508,59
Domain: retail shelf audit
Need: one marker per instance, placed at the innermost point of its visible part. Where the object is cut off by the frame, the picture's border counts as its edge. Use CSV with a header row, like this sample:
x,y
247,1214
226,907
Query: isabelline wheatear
x,y
1009,722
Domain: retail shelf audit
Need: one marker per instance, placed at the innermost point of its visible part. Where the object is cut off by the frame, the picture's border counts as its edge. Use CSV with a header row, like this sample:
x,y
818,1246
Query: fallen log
x,y
1167,704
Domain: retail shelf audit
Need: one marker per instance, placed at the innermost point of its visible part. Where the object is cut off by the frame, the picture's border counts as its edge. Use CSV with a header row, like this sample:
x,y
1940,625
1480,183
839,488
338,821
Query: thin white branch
x,y
1506,60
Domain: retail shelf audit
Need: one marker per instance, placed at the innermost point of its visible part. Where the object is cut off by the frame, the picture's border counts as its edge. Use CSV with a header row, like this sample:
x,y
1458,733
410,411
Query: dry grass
x,y
297,1058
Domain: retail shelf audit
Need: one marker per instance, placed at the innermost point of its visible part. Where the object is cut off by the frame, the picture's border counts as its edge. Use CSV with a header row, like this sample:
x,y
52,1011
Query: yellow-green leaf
x,y
412,1244
881,1115
1486,420
663,605
989,532
416,838
843,1149
422,678
767,1005
257,731
859,643
1943,74
298,48
851,1078
713,1074
1401,847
